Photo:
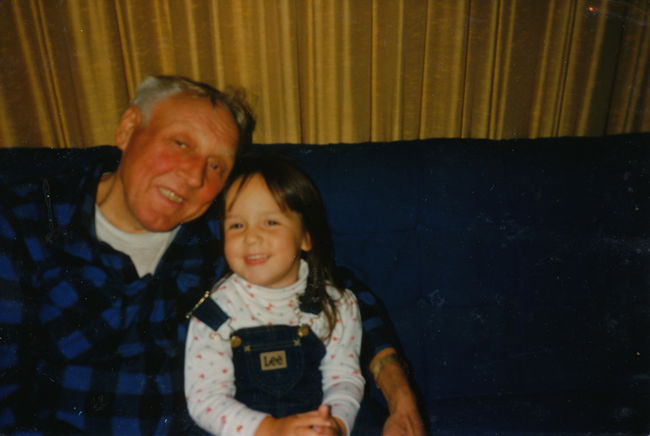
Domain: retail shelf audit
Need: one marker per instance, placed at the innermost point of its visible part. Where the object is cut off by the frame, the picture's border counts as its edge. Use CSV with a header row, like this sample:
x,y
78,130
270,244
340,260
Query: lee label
x,y
273,360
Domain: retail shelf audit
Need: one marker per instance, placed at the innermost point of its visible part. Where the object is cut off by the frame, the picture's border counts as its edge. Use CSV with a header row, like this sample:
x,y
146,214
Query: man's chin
x,y
162,228
160,225
166,222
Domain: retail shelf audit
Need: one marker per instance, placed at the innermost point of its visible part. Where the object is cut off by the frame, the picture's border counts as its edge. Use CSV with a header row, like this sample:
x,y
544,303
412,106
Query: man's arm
x,y
378,342
389,375
17,408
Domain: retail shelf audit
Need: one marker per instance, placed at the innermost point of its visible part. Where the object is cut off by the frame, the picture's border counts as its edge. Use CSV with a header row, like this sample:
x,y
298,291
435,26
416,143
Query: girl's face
x,y
262,242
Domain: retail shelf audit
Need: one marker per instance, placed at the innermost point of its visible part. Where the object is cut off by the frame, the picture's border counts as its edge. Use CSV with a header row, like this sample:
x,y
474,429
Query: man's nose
x,y
193,169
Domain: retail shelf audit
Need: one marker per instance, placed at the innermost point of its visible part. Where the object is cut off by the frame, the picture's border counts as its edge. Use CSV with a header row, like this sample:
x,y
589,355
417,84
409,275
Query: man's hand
x,y
404,418
403,424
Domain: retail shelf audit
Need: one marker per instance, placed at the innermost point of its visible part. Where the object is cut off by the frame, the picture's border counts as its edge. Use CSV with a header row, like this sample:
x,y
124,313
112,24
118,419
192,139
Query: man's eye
x,y
214,166
180,144
272,223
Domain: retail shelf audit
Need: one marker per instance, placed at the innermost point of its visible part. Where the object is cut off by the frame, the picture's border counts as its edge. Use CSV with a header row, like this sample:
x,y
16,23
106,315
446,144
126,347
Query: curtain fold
x,y
331,71
630,104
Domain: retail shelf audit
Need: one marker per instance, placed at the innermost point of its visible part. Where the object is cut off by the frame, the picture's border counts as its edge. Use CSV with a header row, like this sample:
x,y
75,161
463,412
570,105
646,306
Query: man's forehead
x,y
187,100
181,109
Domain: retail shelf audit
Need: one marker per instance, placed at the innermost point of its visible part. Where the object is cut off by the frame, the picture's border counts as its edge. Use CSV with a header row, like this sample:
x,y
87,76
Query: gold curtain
x,y
330,71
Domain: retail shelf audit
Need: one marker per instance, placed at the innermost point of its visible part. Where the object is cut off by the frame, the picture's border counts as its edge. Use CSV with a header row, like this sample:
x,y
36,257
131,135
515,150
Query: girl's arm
x,y
342,380
210,390
210,384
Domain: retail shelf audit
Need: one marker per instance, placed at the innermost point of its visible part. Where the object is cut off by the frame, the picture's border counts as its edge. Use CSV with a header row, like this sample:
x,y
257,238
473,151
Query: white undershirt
x,y
144,249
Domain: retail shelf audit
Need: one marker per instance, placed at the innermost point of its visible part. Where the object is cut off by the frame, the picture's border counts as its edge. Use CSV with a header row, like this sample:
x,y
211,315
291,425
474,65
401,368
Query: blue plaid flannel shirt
x,y
85,344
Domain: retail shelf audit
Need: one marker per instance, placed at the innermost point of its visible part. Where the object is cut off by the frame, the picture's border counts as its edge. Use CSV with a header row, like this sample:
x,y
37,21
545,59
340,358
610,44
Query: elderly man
x,y
99,265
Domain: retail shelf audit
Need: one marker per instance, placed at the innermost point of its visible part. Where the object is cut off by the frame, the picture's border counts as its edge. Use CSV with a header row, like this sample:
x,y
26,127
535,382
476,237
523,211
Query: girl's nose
x,y
252,236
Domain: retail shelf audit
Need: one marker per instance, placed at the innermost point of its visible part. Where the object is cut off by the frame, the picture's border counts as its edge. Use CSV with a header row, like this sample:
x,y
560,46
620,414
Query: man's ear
x,y
130,120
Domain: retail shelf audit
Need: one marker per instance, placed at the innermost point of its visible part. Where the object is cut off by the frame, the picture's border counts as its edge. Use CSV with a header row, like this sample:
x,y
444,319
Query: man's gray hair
x,y
153,89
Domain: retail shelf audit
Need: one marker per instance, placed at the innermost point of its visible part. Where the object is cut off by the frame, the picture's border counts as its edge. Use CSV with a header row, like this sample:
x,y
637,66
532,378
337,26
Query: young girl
x,y
274,349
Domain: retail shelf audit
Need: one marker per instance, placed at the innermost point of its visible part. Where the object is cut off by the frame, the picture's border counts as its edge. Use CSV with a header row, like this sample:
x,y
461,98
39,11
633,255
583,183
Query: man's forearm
x,y
391,379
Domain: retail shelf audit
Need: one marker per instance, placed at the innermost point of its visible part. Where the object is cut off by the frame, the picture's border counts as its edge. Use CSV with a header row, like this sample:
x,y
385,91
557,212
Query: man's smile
x,y
170,195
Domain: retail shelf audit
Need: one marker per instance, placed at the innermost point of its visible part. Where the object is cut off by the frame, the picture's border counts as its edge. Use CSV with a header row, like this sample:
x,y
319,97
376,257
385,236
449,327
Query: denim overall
x,y
276,367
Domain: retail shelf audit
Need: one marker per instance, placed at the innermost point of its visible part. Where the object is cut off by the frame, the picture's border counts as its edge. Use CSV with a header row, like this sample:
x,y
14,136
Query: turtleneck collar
x,y
296,288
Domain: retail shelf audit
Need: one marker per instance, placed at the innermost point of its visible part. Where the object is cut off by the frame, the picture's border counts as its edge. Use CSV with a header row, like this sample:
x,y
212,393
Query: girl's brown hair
x,y
294,190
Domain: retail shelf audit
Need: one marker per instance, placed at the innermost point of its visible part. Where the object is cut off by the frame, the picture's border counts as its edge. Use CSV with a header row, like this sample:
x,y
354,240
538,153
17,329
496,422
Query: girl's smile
x,y
256,259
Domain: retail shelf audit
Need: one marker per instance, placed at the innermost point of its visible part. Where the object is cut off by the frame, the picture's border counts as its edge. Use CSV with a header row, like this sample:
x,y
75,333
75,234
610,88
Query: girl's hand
x,y
303,424
336,427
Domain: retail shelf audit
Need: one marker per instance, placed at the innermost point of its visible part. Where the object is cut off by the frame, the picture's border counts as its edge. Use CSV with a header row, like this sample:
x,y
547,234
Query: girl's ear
x,y
130,120
305,245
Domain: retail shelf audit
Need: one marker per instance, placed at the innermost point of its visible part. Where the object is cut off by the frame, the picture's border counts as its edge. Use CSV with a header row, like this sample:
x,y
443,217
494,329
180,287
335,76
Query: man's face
x,y
174,166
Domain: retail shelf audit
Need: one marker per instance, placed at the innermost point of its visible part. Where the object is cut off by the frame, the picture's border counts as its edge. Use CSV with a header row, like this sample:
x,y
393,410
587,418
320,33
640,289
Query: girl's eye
x,y
214,166
272,223
234,226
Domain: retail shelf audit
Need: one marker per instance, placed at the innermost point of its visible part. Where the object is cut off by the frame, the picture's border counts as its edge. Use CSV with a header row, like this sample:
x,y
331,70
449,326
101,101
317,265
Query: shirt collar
x,y
70,195
297,289
278,293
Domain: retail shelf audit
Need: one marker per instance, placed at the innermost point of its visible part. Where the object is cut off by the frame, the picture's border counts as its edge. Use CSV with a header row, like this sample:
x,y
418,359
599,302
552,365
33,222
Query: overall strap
x,y
210,314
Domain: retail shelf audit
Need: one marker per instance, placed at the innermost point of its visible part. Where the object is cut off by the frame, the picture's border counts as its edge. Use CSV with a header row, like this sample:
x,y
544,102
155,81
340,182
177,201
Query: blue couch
x,y
516,273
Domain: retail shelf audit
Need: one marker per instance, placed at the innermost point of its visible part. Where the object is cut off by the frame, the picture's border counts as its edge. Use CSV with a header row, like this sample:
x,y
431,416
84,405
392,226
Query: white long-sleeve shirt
x,y
209,370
